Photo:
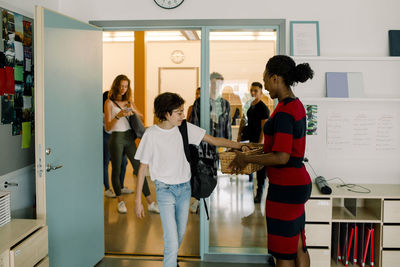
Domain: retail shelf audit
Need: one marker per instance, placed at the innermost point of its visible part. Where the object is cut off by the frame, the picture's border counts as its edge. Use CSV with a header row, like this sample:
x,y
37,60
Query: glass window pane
x,y
237,59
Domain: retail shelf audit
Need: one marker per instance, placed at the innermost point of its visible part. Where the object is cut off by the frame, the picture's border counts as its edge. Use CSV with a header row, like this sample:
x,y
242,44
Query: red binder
x,y
366,246
355,244
372,247
349,247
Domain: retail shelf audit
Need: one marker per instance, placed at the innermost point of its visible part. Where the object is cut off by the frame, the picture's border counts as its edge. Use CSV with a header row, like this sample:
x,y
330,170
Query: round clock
x,y
177,56
168,4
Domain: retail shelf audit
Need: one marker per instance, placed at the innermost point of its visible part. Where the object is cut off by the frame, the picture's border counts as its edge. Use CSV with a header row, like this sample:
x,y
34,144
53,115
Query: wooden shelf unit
x,y
381,207
24,242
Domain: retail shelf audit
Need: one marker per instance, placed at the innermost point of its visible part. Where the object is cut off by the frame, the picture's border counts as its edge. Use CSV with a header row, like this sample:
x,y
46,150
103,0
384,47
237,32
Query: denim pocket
x,y
161,185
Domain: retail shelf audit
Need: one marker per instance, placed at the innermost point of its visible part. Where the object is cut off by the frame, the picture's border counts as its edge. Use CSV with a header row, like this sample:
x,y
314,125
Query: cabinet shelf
x,y
341,214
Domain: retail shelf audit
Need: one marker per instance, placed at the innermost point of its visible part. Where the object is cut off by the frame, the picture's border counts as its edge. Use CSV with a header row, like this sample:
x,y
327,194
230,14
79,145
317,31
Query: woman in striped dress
x,y
284,146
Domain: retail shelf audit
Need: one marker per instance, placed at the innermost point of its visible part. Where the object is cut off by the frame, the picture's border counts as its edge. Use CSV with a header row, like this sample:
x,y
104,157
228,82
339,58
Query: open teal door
x,y
68,86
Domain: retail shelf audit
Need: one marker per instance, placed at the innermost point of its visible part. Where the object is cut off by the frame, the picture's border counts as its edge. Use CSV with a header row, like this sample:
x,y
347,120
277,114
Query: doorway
x,y
173,64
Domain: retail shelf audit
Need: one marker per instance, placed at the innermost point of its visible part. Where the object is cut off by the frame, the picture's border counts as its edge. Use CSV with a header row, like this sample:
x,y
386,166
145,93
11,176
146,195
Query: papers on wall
x,y
19,30
16,71
312,119
7,109
9,87
19,73
26,134
19,53
27,102
365,133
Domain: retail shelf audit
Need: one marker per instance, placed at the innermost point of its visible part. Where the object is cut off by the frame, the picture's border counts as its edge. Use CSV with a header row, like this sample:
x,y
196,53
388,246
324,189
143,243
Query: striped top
x,y
290,184
285,132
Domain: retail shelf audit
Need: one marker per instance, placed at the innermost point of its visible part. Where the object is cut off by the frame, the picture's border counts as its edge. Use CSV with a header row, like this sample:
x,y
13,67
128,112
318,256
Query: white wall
x,y
356,28
117,59
27,8
158,54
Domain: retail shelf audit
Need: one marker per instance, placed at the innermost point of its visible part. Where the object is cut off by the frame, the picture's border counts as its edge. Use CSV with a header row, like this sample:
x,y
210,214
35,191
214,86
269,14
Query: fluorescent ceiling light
x,y
118,36
121,36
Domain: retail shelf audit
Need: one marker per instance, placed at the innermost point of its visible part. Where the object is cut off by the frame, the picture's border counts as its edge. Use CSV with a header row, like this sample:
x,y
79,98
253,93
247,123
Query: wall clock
x,y
168,4
177,56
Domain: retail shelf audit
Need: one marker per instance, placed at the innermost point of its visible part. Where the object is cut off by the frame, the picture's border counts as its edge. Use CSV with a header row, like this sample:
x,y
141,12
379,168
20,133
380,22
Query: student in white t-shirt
x,y
161,149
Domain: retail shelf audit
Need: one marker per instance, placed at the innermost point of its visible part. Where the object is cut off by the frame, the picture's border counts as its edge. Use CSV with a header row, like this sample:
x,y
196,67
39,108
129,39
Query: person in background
x,y
106,161
190,109
284,146
161,150
257,115
117,108
220,123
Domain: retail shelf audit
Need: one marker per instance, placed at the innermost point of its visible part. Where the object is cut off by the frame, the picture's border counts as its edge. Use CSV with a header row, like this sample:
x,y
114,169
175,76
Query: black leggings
x,y
124,143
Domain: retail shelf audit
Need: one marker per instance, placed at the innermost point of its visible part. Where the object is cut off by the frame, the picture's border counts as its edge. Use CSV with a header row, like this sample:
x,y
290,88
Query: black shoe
x,y
257,199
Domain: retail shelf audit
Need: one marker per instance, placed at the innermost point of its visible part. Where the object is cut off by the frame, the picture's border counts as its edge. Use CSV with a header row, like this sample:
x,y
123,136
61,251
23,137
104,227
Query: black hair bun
x,y
303,72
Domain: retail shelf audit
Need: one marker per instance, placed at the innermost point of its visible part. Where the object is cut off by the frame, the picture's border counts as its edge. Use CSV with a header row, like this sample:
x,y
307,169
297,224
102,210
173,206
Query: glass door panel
x,y
237,59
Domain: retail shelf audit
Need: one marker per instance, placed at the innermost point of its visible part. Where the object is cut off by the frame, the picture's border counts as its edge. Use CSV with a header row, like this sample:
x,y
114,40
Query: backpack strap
x,y
184,133
121,109
185,138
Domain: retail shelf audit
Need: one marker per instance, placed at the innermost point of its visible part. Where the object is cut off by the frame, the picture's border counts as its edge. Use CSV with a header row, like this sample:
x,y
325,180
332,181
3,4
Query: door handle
x,y
7,184
52,168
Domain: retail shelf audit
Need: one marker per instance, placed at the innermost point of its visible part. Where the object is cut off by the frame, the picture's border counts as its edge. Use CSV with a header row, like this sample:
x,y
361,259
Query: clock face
x,y
168,4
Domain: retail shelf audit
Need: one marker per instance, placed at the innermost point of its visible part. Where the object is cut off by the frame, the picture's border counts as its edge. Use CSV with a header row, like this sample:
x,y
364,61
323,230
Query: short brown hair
x,y
166,102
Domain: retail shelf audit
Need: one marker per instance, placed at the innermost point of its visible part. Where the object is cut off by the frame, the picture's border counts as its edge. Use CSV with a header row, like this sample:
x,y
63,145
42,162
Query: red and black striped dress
x,y
289,184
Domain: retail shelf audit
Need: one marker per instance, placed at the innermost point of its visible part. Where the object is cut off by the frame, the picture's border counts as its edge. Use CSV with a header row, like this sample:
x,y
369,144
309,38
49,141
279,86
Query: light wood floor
x,y
129,262
234,222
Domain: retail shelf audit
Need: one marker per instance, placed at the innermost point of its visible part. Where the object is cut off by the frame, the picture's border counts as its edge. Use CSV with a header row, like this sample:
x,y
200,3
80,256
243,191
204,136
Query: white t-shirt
x,y
163,151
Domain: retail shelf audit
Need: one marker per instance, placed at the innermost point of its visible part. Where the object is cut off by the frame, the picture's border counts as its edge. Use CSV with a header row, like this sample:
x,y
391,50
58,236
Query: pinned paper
x,y
19,73
19,29
19,53
26,134
7,109
9,80
18,96
28,65
2,81
27,102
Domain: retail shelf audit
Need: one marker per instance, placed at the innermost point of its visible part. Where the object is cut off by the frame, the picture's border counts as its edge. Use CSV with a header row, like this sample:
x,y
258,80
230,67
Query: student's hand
x,y
237,163
124,113
139,210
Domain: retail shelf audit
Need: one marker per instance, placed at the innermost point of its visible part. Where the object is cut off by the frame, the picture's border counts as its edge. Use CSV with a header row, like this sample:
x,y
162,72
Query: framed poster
x,y
304,38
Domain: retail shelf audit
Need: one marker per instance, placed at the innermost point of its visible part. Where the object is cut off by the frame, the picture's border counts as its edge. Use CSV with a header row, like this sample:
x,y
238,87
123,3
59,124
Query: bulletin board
x,y
16,91
356,140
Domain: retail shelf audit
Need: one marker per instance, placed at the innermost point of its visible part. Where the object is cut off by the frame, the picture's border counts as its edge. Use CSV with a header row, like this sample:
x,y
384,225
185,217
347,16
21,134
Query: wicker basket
x,y
227,157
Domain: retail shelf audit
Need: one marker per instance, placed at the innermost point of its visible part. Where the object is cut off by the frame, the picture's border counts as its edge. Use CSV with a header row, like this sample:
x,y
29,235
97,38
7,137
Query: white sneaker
x,y
109,193
195,206
122,207
153,207
126,190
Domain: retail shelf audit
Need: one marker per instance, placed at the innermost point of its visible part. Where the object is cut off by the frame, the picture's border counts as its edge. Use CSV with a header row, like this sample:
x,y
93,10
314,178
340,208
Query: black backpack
x,y
202,180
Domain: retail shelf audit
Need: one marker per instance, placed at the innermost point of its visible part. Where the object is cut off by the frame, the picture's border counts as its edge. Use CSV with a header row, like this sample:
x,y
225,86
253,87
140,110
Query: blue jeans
x,y
173,202
106,162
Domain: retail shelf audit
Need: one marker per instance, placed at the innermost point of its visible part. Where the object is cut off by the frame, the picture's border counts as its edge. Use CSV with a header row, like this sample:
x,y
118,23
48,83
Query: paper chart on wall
x,y
362,134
